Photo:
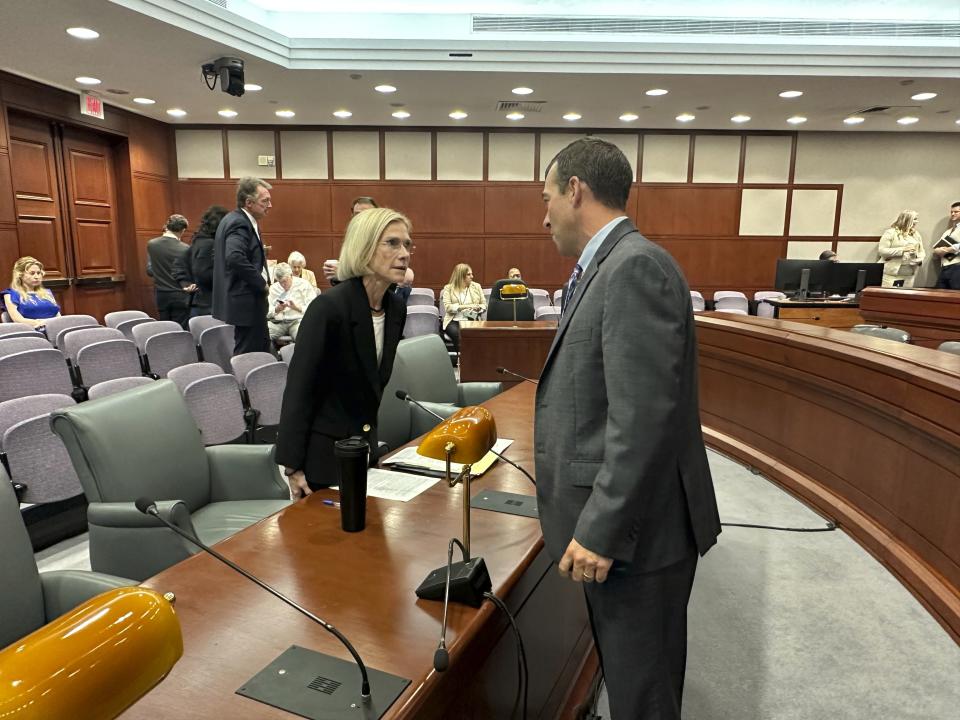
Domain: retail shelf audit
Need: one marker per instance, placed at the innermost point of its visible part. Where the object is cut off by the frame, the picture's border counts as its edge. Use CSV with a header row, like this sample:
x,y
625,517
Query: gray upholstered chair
x,y
884,333
950,346
144,443
31,599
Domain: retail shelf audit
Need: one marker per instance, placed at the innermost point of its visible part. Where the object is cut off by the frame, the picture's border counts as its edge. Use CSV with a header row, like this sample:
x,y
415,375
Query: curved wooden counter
x,y
866,431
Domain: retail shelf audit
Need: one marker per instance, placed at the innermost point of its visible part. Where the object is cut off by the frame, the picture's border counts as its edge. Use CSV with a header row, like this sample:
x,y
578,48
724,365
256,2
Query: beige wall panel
x,y
459,156
882,174
767,159
812,212
857,251
551,144
665,158
199,153
304,154
406,155
716,159
806,250
762,212
356,155
245,146
511,156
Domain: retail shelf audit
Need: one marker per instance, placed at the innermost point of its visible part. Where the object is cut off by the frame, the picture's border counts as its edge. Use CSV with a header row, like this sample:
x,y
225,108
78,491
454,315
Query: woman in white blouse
x,y
901,250
462,300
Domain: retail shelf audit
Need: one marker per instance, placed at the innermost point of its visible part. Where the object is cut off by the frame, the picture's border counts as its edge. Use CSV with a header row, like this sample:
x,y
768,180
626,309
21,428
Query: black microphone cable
x,y
523,673
829,527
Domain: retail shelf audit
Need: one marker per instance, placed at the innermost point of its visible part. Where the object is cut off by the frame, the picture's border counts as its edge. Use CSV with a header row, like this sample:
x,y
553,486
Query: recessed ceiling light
x,y
629,117
176,112
686,117
923,96
522,91
401,114
571,116
458,115
342,114
854,120
144,101
83,33
791,94
385,89
515,116
84,80
908,120
657,91
796,120
740,118
252,87
285,113
227,113
957,122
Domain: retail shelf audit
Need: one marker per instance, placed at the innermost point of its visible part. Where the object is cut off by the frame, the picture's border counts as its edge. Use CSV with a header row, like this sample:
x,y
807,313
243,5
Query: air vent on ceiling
x,y
521,105
219,3
882,109
707,26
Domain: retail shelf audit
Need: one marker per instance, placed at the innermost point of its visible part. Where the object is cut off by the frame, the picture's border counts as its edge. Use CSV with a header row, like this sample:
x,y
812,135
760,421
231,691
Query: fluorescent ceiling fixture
x,y
342,114
83,33
629,117
908,120
385,89
401,114
84,80
522,91
740,118
253,87
853,120
791,94
657,91
458,115
144,101
176,112
686,117
796,120
285,113
227,113
515,116
923,96
572,116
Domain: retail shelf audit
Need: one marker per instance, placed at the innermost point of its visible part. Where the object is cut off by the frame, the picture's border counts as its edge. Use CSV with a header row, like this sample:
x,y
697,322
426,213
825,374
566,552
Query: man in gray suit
x,y
625,494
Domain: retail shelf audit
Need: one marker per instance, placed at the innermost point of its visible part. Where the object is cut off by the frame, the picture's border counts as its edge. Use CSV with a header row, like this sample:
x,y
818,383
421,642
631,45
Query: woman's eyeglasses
x,y
396,243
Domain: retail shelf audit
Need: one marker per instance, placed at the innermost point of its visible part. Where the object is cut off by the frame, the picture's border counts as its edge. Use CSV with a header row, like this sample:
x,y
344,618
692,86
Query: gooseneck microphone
x,y
441,658
403,395
149,507
504,371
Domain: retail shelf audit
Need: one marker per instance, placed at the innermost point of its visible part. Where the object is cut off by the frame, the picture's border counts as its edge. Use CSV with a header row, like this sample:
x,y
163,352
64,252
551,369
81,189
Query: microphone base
x,y
468,582
506,502
321,687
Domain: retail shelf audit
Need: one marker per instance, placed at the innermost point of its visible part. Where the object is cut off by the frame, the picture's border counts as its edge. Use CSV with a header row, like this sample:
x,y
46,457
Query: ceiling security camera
x,y
230,72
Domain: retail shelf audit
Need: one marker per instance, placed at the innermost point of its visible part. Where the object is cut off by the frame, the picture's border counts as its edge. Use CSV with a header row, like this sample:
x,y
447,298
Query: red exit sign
x,y
91,105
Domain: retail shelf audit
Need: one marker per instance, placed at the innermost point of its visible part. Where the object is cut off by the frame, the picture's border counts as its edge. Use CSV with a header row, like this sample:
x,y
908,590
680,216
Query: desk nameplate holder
x,y
506,502
320,687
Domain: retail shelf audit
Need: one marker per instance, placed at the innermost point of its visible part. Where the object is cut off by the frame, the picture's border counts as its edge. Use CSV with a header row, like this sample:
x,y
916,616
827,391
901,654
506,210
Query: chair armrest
x,y
245,472
63,590
422,422
474,393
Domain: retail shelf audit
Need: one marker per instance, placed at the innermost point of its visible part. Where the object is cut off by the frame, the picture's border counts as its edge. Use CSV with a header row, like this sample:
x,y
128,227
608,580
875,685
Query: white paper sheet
x,y
391,485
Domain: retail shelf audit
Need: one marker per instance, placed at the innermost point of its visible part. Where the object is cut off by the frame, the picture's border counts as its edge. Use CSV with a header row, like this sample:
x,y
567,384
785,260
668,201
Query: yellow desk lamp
x,y
513,292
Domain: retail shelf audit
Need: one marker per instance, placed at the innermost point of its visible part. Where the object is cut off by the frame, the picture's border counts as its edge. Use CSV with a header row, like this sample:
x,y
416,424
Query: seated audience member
x,y
199,261
514,274
462,300
289,297
298,263
364,202
404,288
27,300
830,255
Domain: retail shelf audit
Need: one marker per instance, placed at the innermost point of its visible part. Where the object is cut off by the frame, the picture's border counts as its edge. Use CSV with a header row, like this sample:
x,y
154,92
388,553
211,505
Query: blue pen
x,y
331,503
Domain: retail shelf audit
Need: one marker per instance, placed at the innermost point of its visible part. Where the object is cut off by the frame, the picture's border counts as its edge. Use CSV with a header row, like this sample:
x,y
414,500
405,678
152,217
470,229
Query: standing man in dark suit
x,y
625,493
240,279
165,257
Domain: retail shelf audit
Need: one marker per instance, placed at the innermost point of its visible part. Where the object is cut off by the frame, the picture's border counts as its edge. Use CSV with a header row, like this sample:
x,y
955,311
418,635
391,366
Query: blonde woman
x,y
901,250
462,300
27,300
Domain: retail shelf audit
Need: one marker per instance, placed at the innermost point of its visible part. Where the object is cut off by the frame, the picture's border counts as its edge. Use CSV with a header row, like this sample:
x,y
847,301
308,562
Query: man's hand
x,y
582,565
941,251
330,269
298,485
191,288
292,305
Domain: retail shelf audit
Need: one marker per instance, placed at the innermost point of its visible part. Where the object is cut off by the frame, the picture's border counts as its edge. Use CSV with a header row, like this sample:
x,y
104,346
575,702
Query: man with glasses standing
x,y
240,278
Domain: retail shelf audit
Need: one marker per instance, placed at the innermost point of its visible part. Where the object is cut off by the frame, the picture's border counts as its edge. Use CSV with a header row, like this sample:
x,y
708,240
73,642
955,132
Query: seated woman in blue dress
x,y
27,300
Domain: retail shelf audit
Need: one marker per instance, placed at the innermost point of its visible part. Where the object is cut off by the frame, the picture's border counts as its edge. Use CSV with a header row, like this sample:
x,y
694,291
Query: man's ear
x,y
576,191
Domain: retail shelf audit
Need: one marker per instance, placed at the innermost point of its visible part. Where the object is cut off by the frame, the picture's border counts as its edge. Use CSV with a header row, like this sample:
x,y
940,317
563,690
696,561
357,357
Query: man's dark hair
x,y
211,219
176,223
956,204
827,254
248,188
599,164
363,200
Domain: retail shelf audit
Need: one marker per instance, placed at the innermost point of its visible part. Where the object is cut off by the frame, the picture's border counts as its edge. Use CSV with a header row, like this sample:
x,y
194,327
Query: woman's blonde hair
x,y
458,279
360,241
905,220
16,282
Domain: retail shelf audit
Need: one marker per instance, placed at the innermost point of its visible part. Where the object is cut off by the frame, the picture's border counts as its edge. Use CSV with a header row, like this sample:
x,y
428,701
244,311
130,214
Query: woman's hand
x,y
298,485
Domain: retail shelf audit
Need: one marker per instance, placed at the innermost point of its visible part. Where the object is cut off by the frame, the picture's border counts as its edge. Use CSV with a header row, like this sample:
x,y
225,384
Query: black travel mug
x,y
352,455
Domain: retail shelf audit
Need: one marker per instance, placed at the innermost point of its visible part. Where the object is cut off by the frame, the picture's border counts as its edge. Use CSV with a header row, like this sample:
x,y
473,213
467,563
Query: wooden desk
x,y
364,584
862,429
825,313
930,316
519,346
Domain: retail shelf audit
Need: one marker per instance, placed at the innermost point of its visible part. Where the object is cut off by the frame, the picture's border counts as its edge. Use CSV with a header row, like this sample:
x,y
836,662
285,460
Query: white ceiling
x,y
154,48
